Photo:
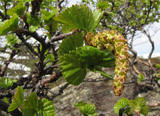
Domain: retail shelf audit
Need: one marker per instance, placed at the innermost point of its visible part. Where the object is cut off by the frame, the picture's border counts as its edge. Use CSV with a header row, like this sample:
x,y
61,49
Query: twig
x,y
62,36
27,44
133,67
35,7
2,15
59,90
97,79
59,4
148,11
154,105
50,79
152,44
6,63
33,34
122,110
5,9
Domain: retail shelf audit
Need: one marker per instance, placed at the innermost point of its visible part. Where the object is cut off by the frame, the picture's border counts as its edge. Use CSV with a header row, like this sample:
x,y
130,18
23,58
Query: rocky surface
x,y
98,90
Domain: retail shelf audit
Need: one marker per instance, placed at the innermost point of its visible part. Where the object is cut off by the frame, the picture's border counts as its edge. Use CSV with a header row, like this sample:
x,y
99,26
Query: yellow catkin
x,y
115,42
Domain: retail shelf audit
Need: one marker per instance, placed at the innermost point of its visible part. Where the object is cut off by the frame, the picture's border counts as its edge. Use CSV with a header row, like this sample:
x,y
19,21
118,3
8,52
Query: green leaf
x,y
17,99
97,15
86,109
92,57
103,4
9,25
86,1
49,23
71,69
49,59
24,0
12,39
29,112
132,23
140,77
31,101
67,28
30,105
145,110
71,43
48,4
46,107
76,62
6,100
6,82
158,66
122,103
18,9
80,17
105,74
33,28
139,106
157,75
33,20
48,16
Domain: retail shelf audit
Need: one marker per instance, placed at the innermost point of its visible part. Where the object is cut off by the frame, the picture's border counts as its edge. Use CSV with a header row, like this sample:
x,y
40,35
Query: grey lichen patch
x,y
64,103
98,90
152,98
93,90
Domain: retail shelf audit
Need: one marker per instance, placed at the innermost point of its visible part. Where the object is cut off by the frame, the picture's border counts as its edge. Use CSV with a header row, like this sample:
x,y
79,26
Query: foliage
x,y
88,1
86,109
158,66
157,74
12,39
17,99
18,9
31,105
33,22
76,62
6,100
123,103
41,28
80,17
9,25
138,105
71,43
46,107
128,16
140,78
49,23
6,82
49,59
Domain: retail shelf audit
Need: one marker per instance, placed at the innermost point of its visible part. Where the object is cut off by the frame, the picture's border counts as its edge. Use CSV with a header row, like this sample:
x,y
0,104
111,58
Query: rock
x,y
98,90
98,93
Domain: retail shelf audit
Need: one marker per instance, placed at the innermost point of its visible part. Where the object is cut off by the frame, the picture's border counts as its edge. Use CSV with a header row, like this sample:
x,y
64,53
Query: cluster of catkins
x,y
115,42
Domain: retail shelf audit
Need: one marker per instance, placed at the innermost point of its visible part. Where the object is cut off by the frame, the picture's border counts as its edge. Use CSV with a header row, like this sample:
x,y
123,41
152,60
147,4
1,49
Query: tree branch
x,y
27,44
50,79
6,63
58,90
59,4
33,34
152,44
2,15
62,36
35,7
